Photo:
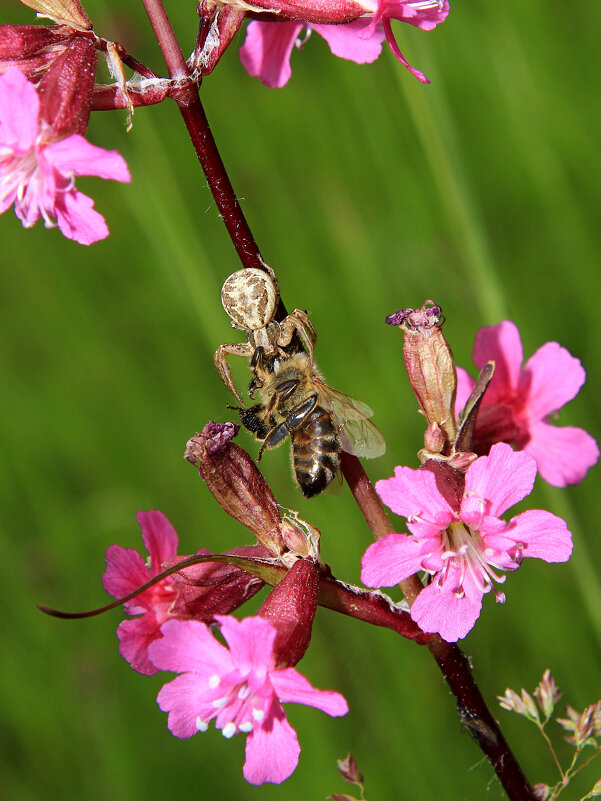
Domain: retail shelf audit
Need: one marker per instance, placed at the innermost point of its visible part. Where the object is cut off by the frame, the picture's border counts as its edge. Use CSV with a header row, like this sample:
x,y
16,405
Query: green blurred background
x,y
366,192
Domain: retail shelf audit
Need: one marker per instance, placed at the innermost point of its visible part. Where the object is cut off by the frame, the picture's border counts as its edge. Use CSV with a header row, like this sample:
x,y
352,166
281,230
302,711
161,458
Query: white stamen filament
x,y
424,5
229,730
201,725
214,681
464,549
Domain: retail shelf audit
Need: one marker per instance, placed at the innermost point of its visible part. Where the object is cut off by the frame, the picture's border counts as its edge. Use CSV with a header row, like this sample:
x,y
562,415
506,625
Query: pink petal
x,y
291,687
439,611
188,645
502,479
563,453
182,698
267,49
125,570
345,41
159,538
272,750
465,385
135,636
551,378
397,52
426,18
413,493
77,219
545,535
250,641
76,156
19,108
394,558
502,344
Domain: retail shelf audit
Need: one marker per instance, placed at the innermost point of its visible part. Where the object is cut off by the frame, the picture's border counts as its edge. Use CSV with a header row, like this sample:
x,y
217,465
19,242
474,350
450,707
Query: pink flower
x,y
37,172
462,547
239,688
268,45
126,570
199,591
519,402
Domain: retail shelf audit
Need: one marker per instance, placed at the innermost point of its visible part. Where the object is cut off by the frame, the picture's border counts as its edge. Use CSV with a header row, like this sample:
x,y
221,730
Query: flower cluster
x,y
242,686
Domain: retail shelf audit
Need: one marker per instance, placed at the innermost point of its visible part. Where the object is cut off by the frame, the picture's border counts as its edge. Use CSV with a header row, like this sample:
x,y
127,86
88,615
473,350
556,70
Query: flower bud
x,y
219,24
431,368
63,12
235,481
291,608
66,89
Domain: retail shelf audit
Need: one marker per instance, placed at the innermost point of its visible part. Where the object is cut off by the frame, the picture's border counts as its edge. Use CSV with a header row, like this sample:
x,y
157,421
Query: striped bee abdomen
x,y
315,452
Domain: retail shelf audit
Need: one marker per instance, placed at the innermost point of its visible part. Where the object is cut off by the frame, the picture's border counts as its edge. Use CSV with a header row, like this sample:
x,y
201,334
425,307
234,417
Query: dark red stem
x,y
188,101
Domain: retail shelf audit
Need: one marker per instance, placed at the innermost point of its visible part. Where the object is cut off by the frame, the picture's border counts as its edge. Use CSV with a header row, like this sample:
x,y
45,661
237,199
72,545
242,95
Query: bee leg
x,y
251,420
298,415
273,438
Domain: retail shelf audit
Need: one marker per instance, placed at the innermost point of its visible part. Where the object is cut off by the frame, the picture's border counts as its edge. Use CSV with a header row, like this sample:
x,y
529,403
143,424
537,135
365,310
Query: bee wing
x,y
358,435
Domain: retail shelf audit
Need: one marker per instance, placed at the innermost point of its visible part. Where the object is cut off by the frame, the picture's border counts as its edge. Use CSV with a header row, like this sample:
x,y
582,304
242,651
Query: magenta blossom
x,y
37,172
463,547
125,571
268,45
518,403
239,687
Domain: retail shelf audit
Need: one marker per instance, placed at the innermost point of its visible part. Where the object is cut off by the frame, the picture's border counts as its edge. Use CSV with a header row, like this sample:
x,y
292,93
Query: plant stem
x,y
192,111
454,666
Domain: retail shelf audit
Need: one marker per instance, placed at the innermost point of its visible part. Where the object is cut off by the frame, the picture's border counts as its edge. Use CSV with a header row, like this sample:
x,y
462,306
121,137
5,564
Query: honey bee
x,y
295,400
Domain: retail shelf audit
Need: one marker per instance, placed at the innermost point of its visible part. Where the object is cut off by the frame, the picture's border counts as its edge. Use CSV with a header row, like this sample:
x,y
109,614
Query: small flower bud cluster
x,y
583,726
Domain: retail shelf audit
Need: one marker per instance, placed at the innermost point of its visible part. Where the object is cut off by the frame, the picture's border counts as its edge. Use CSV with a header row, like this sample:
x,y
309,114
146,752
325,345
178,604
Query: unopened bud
x,y
547,694
63,12
235,481
349,770
434,439
430,366
66,89
219,25
291,608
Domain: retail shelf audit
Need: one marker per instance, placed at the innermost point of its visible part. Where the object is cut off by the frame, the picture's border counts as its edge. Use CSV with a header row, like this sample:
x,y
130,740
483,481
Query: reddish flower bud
x,y
291,608
235,481
219,24
430,366
349,770
66,89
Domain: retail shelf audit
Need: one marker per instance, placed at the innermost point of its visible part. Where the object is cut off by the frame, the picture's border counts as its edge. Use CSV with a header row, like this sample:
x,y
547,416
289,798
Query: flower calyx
x,y
239,487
